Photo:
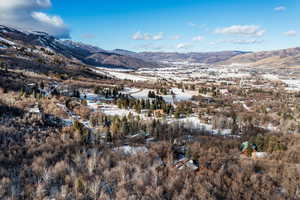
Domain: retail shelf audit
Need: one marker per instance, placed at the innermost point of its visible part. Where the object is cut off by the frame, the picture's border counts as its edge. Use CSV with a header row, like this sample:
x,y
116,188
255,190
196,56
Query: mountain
x,y
84,53
279,58
90,48
193,57
12,39
124,52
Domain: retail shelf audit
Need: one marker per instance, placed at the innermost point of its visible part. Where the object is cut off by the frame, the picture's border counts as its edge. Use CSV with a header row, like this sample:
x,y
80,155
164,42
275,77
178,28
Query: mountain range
x,y
87,54
13,38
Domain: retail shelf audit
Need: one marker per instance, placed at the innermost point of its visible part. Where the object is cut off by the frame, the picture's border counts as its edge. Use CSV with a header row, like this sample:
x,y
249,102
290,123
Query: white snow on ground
x,y
130,90
270,77
269,127
7,41
126,76
129,150
179,95
234,75
193,122
93,105
293,85
184,96
260,154
102,72
114,69
113,110
184,73
122,74
140,94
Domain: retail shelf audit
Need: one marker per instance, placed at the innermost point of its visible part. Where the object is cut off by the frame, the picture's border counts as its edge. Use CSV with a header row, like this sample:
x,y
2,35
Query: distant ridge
x,y
279,58
87,54
194,57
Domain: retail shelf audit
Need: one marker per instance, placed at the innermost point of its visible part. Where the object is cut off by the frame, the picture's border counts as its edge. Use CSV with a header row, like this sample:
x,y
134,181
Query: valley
x,y
80,122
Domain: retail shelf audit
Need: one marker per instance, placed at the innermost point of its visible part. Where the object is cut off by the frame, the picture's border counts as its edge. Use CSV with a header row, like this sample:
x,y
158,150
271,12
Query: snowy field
x,y
7,41
293,85
179,95
122,74
184,73
193,122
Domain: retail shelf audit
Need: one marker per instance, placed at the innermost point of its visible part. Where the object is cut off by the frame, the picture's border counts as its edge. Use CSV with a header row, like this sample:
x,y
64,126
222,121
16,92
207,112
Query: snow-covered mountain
x,y
90,48
87,54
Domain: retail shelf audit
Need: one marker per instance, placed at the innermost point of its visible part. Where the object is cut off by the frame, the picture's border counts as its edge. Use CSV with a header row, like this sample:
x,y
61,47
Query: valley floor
x,y
170,133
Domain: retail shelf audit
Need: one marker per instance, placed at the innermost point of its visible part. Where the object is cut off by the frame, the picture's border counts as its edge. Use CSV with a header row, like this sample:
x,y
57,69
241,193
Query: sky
x,y
163,25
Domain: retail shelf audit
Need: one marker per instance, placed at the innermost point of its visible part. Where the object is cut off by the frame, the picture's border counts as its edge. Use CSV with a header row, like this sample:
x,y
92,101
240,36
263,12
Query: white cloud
x,y
141,36
26,14
159,36
184,46
198,38
146,36
51,20
290,33
246,30
176,37
280,8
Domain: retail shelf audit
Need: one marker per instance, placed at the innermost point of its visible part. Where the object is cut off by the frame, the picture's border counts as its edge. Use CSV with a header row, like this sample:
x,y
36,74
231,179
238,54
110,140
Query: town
x,y
201,102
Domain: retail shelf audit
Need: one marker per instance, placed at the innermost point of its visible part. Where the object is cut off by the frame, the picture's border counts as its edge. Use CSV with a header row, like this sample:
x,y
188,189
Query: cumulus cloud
x,y
51,20
290,33
146,36
159,36
280,8
141,36
184,46
198,38
246,30
28,15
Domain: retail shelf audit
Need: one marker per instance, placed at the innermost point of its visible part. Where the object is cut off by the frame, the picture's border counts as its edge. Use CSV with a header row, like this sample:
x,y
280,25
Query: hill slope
x,y
279,58
194,57
87,54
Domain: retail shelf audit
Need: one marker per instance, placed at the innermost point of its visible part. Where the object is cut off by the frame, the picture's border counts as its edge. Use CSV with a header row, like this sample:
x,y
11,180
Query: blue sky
x,y
178,25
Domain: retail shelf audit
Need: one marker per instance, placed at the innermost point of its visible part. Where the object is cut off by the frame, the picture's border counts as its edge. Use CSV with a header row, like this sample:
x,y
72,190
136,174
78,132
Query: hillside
x,y
279,58
11,38
195,57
